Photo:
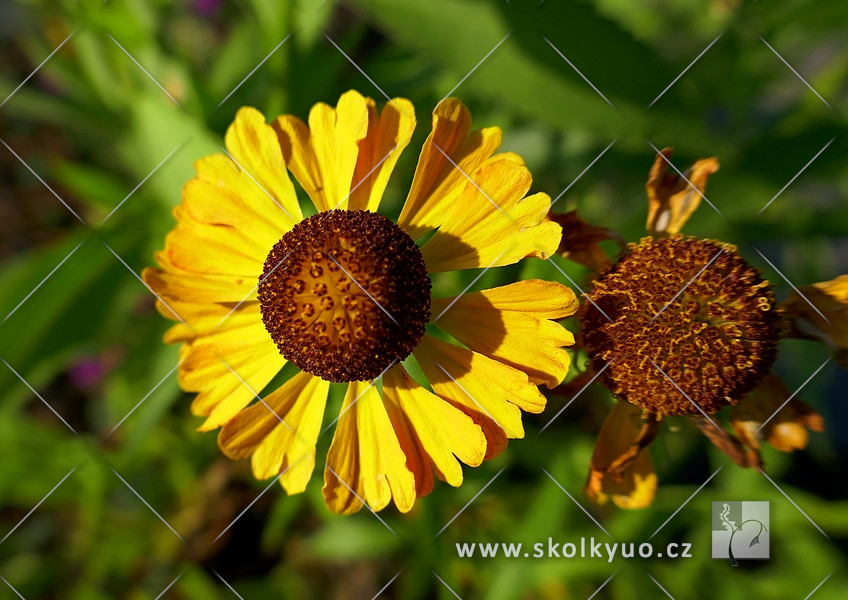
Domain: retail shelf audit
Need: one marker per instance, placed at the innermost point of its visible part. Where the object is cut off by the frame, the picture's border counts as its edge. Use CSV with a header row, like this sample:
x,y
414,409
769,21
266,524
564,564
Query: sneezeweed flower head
x,y
684,326
345,296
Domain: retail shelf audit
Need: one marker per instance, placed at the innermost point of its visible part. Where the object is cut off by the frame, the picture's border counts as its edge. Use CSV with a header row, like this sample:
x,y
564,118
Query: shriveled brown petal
x,y
581,240
759,417
622,468
671,199
739,450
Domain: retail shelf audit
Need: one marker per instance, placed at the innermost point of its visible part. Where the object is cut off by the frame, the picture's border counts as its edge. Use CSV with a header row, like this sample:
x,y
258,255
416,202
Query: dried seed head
x,y
715,339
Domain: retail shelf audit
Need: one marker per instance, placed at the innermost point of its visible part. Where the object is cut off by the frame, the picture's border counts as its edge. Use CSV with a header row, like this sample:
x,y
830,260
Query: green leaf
x,y
67,311
528,75
349,538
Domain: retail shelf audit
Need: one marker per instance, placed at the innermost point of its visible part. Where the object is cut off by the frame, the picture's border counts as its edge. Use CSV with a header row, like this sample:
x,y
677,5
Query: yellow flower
x,y
682,326
344,295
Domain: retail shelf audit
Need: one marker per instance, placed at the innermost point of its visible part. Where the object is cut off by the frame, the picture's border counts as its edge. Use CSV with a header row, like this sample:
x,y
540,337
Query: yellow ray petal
x,y
204,319
417,459
510,324
208,363
171,283
542,299
323,156
234,346
243,346
821,312
224,195
365,457
482,385
635,485
255,147
214,249
492,223
671,200
388,134
437,182
435,432
229,394
283,440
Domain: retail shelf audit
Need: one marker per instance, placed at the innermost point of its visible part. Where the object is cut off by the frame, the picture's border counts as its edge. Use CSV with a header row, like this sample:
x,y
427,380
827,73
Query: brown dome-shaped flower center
x,y
681,315
345,294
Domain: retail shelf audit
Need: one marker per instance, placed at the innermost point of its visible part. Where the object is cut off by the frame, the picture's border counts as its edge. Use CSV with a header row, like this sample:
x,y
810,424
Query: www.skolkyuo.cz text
x,y
583,548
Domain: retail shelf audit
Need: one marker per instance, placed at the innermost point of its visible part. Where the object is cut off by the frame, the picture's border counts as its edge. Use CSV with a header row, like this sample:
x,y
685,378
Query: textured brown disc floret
x,y
713,332
344,294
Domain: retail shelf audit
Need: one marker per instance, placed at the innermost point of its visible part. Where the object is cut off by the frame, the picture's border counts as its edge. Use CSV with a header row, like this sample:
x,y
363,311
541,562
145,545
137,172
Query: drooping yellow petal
x,y
764,414
227,369
281,433
431,431
255,147
388,134
492,223
323,155
365,461
495,392
671,199
449,151
820,311
511,324
204,319
246,336
635,485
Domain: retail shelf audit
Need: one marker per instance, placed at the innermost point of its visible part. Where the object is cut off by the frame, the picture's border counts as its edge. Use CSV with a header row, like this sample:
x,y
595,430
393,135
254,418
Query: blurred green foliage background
x,y
102,134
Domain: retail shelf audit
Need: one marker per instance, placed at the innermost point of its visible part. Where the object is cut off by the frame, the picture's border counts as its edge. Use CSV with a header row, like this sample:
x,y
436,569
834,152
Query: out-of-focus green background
x,y
94,126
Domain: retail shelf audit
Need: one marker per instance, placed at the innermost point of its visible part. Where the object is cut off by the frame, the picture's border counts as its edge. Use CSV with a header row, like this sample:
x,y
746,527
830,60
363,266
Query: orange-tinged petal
x,y
365,461
449,151
510,324
431,430
323,156
280,433
255,147
636,484
388,134
383,462
492,390
820,311
417,460
492,223
767,413
671,199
